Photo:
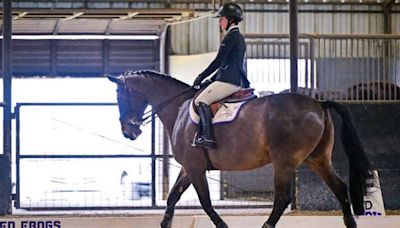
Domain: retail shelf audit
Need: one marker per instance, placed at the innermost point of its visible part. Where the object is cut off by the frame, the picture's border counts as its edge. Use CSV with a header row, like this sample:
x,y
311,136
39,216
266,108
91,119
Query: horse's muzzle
x,y
132,135
129,136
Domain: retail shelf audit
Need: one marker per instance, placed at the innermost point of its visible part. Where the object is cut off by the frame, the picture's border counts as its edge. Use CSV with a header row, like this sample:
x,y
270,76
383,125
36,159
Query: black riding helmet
x,y
231,11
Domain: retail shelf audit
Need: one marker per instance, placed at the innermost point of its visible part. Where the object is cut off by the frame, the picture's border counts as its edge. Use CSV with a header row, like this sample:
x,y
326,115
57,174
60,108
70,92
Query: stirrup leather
x,y
193,143
206,143
203,142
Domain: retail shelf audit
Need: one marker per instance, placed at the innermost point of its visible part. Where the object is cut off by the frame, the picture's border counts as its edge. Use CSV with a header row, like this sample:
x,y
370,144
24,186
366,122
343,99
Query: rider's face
x,y
223,22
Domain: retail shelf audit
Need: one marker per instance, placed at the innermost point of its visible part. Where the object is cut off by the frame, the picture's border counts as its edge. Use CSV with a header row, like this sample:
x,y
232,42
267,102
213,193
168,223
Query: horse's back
x,y
290,100
282,107
266,127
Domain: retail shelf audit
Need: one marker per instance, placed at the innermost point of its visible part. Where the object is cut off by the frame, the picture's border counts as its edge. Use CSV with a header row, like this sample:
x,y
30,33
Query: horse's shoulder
x,y
183,112
185,106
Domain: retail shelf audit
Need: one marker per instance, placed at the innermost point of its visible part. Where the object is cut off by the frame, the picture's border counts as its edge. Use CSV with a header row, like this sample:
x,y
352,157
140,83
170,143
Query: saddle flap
x,y
244,94
214,107
226,112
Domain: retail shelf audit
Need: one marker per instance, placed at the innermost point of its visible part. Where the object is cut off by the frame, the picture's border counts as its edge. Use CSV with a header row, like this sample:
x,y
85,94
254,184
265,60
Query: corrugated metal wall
x,y
197,36
396,19
83,57
37,56
202,35
194,37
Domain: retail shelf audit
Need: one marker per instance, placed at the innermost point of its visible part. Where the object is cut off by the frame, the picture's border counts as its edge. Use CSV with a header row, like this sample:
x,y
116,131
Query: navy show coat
x,y
229,60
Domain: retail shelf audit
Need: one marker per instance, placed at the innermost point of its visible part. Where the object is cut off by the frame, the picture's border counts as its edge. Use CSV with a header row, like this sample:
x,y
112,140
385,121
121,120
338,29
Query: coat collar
x,y
234,27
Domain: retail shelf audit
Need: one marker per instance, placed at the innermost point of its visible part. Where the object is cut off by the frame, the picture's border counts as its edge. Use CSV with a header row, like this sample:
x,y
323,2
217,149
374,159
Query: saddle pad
x,y
225,114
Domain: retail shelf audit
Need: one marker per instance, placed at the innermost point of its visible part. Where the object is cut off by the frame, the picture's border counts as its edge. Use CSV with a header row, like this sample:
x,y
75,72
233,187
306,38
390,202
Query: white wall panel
x,y
396,23
306,20
396,19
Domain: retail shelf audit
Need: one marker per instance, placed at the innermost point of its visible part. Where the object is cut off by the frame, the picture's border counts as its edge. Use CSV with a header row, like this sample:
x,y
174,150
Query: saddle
x,y
226,109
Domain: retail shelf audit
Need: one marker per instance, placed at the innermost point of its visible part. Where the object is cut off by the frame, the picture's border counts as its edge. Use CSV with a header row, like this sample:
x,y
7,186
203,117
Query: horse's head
x,y
132,105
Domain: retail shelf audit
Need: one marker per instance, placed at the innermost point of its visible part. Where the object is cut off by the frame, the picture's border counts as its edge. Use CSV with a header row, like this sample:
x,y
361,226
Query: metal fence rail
x,y
66,159
333,66
22,156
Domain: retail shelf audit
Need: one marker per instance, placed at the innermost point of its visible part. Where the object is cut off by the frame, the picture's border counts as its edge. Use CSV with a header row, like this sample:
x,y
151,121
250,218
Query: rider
x,y
230,76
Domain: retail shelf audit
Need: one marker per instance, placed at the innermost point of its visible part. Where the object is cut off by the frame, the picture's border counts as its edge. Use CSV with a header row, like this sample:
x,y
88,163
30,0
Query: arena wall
x,y
378,125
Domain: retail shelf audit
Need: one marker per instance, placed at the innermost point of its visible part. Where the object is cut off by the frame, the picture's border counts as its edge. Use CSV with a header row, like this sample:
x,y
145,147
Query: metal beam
x,y
322,36
387,16
129,16
293,37
5,175
100,12
20,15
73,16
388,3
52,3
387,29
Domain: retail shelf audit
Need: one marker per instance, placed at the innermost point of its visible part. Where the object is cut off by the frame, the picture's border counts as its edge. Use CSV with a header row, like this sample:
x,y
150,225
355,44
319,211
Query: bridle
x,y
150,115
135,121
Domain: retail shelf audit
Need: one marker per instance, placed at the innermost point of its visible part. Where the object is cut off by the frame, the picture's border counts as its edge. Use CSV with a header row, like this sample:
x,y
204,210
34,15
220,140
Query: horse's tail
x,y
359,164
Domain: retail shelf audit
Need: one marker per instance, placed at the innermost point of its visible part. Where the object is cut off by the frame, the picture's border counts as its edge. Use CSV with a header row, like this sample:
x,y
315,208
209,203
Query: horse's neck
x,y
168,115
164,99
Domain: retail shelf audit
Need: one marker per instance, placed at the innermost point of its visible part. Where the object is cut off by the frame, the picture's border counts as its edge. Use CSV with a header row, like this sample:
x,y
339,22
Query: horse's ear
x,y
115,79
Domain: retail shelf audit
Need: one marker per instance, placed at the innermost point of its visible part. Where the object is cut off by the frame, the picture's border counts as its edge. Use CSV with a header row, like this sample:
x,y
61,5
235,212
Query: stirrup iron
x,y
193,144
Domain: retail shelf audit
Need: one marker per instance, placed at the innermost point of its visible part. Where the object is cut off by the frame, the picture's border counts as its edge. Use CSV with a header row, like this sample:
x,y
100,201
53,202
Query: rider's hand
x,y
197,81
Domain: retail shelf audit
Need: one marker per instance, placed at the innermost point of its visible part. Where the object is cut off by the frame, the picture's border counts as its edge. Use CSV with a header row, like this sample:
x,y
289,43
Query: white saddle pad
x,y
225,114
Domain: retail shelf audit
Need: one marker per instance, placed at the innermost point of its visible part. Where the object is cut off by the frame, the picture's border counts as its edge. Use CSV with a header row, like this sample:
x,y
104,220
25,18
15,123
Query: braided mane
x,y
151,74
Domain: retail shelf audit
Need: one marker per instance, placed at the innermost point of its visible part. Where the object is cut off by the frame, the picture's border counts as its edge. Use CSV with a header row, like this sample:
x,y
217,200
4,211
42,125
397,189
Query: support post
x,y
5,159
293,37
164,68
387,27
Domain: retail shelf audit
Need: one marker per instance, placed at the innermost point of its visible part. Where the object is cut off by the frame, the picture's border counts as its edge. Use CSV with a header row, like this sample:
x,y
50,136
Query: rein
x,y
160,106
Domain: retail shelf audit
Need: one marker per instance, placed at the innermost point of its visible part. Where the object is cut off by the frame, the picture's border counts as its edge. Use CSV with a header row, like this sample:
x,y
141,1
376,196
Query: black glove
x,y
206,83
197,81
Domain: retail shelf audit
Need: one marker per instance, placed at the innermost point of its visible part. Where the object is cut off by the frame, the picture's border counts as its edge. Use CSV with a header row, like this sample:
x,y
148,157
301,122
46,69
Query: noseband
x,y
156,108
135,121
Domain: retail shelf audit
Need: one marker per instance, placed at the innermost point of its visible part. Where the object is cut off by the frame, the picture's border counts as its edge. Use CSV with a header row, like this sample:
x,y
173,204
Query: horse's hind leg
x,y
320,162
181,184
326,171
199,181
283,175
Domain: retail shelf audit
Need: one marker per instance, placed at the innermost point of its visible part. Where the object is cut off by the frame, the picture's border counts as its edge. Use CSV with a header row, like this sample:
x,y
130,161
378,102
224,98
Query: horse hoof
x,y
350,222
266,225
165,224
222,225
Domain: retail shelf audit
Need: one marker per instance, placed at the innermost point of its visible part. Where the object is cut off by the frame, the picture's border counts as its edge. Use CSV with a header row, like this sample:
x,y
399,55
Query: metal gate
x,y
64,164
331,66
73,178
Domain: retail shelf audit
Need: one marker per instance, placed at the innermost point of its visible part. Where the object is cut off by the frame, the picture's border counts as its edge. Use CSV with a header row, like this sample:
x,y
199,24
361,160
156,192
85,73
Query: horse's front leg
x,y
181,184
199,181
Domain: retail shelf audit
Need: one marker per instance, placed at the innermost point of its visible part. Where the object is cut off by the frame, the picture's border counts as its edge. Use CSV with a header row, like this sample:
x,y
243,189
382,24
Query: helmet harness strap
x,y
230,22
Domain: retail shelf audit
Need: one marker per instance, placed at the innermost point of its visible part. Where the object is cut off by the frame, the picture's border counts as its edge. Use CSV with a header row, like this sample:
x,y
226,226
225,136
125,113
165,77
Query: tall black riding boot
x,y
206,139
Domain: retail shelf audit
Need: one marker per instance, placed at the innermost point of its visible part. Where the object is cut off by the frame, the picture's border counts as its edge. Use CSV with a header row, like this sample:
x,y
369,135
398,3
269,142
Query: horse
x,y
376,90
283,129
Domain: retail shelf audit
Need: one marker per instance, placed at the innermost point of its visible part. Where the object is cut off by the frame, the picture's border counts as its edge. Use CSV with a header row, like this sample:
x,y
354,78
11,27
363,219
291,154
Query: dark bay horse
x,y
284,129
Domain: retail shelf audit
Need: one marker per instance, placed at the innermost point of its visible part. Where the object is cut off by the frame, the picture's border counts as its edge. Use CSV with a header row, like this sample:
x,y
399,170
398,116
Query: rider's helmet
x,y
231,11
